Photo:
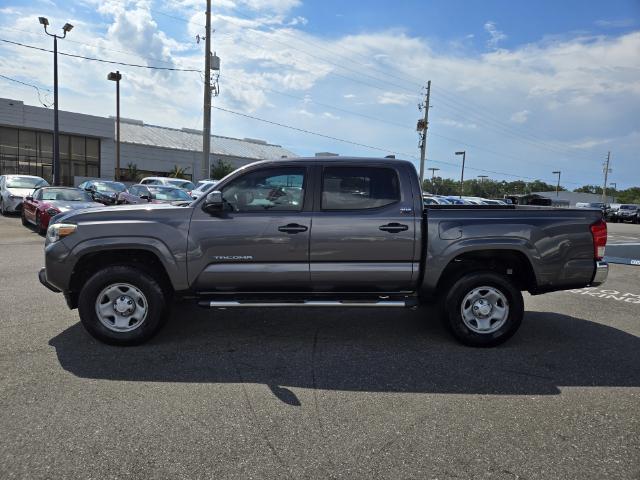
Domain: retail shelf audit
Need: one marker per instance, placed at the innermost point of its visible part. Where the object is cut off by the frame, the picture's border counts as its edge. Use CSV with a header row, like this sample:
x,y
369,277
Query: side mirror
x,y
214,203
28,198
145,197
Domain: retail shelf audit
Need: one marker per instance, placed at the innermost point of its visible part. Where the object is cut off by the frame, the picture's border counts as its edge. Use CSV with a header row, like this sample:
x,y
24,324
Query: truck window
x,y
358,188
272,189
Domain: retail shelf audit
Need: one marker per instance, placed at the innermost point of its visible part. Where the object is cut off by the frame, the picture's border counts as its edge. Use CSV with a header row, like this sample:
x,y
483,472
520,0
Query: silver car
x,y
202,187
13,189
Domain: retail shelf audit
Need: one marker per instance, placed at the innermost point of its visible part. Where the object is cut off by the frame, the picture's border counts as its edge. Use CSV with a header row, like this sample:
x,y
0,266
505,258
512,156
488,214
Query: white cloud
x,y
394,98
348,95
520,117
619,23
457,124
330,116
495,35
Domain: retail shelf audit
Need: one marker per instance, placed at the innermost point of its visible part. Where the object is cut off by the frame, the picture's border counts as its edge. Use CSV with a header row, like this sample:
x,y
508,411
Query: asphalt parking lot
x,y
321,394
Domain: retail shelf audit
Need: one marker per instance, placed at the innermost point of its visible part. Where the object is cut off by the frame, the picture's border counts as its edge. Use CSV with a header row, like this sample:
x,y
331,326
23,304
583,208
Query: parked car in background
x,y
612,213
628,213
153,194
434,200
185,185
13,189
202,187
490,201
103,191
47,202
457,201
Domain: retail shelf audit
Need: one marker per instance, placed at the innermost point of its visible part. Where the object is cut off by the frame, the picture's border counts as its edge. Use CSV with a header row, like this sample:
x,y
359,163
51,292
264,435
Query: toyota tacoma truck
x,y
319,233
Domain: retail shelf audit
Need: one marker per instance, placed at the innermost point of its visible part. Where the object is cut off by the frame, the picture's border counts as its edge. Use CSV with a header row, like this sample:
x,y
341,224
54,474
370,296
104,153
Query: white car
x,y
202,187
169,181
13,189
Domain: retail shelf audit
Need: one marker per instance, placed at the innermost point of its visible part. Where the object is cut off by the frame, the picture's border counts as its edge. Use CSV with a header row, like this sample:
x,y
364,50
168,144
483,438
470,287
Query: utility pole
x,y
607,170
433,179
557,172
206,127
464,157
423,126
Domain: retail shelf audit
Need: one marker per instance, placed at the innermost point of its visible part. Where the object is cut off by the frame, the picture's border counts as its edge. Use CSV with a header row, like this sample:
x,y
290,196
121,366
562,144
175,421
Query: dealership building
x,y
88,146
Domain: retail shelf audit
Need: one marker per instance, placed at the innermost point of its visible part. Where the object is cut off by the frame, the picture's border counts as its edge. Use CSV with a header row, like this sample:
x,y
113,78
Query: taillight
x,y
599,234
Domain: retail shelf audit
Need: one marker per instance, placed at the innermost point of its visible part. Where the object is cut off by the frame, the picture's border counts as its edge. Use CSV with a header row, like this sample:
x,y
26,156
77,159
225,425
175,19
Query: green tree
x,y
589,189
131,173
221,169
630,195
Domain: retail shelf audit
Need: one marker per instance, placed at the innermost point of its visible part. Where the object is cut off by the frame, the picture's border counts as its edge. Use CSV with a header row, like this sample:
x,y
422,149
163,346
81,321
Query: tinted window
x,y
347,188
169,194
273,189
65,194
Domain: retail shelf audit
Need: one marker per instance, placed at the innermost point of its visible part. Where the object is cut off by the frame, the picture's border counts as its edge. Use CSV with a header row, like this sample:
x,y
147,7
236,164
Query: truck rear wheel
x,y
122,305
483,309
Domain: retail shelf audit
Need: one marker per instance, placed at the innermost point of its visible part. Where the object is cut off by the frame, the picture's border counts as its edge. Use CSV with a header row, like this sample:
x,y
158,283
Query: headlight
x,y
53,211
60,230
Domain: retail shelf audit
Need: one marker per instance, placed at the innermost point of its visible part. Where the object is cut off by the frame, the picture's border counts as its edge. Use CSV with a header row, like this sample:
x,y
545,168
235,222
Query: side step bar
x,y
306,303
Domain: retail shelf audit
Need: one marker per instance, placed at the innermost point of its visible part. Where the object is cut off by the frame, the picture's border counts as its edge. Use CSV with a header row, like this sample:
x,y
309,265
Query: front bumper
x,y
42,276
601,273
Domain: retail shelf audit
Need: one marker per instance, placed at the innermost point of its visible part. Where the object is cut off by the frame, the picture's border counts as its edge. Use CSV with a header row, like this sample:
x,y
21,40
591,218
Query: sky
x,y
525,88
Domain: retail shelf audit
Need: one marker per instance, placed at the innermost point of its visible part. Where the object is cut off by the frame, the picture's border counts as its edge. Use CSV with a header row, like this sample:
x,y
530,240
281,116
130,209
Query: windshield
x,y
204,186
25,182
169,194
109,187
186,184
628,207
65,194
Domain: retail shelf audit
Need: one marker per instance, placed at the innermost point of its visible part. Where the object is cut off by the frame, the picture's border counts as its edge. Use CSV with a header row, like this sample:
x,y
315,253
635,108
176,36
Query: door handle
x,y
293,228
394,227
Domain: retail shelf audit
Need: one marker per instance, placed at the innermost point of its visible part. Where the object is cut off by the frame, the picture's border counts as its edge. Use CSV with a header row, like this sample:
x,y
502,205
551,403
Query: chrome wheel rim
x,y
121,307
484,310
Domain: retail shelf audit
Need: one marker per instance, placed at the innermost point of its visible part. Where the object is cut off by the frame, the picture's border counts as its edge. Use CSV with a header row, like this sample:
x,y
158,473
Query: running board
x,y
307,303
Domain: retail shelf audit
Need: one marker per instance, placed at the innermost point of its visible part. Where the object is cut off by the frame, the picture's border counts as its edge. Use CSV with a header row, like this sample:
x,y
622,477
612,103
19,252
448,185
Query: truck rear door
x,y
364,228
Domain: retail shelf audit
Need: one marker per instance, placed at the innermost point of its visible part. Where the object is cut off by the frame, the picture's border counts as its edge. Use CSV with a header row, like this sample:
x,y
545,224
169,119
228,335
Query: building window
x,y
30,152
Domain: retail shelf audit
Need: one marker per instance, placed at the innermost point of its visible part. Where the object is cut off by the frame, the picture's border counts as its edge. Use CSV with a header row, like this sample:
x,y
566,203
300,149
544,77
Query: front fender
x,y
174,265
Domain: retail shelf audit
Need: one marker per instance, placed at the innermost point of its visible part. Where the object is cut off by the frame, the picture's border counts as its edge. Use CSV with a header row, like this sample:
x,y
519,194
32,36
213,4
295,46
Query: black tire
x,y
39,228
3,212
155,299
465,285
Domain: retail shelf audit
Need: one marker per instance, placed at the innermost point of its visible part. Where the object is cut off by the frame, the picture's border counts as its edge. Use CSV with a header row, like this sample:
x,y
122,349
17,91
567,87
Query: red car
x,y
47,202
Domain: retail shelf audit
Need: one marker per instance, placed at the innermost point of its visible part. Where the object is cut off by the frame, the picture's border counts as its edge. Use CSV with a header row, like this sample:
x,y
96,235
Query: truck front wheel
x,y
483,309
122,305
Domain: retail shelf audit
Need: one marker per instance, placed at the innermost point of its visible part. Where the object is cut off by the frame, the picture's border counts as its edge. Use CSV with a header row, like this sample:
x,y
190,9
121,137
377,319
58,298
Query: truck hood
x,y
117,213
66,206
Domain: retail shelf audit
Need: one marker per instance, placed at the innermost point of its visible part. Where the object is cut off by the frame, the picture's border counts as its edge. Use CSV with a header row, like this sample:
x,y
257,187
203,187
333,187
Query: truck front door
x,y
260,241
364,229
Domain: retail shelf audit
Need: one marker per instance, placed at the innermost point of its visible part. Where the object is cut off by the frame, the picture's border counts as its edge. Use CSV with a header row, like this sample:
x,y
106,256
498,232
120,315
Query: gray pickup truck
x,y
319,232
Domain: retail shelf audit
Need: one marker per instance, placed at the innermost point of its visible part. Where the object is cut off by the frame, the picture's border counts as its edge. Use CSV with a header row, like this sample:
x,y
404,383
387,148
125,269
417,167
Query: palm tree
x,y
132,172
177,172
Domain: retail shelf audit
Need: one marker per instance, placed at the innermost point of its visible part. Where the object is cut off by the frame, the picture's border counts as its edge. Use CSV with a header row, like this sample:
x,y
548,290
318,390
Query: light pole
x,y
115,77
56,144
482,177
557,172
464,156
615,185
433,179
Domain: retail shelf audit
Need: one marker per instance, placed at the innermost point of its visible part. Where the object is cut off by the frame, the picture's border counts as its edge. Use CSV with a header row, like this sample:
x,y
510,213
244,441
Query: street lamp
x,y
615,185
56,144
482,177
557,172
115,77
464,156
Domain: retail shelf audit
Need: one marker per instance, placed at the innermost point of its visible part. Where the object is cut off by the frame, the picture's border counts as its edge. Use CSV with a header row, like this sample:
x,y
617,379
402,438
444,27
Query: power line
x,y
371,147
32,86
150,67
94,45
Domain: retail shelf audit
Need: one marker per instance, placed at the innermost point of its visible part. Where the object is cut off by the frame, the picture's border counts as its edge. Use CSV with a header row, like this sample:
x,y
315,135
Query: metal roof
x,y
187,139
